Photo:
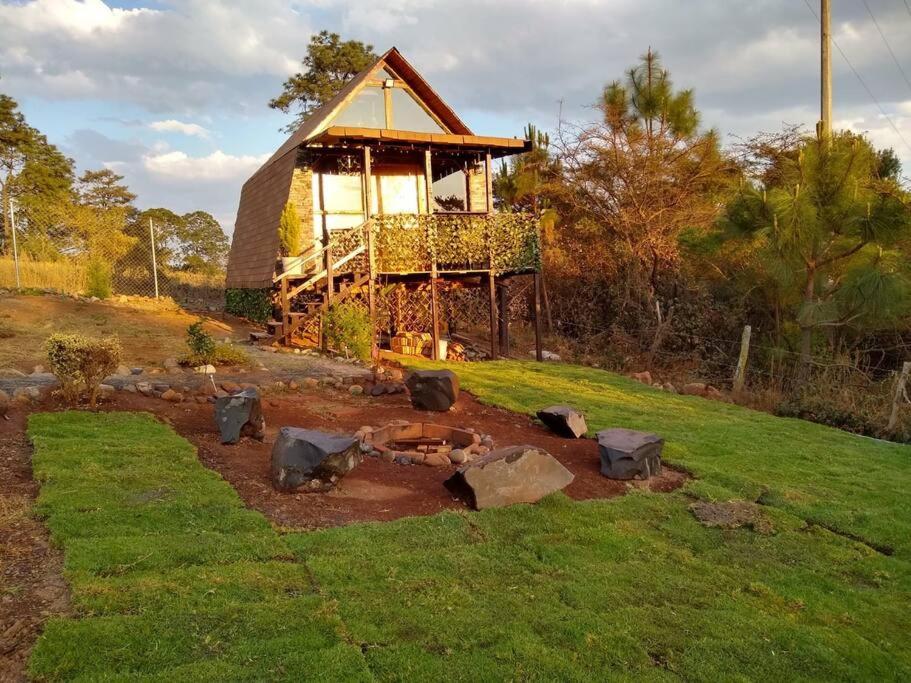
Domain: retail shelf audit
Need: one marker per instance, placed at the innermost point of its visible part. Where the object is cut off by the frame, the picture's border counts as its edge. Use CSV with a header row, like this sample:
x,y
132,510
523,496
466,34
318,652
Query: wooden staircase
x,y
316,271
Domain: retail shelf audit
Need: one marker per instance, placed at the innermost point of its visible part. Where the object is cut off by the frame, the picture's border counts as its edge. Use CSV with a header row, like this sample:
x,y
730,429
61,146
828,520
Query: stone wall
x,y
301,195
477,189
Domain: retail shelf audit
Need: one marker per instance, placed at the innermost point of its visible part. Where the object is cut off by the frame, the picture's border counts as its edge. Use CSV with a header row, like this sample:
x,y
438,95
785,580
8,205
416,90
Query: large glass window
x,y
450,192
366,110
407,114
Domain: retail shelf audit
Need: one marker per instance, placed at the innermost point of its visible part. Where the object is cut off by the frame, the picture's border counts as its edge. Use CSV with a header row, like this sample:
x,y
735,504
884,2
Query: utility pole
x,y
825,35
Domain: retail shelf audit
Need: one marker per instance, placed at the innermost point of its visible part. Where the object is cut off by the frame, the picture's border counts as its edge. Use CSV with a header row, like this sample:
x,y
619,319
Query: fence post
x,y
899,395
740,374
12,216
154,258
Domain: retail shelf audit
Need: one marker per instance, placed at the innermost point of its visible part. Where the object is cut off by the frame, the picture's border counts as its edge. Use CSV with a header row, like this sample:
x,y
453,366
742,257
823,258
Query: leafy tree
x,y
104,190
633,181
329,64
203,244
99,215
821,223
167,225
33,172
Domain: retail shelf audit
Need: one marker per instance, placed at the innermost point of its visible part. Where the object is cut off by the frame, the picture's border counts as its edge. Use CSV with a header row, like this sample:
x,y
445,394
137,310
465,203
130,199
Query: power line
x,y
863,82
908,7
886,42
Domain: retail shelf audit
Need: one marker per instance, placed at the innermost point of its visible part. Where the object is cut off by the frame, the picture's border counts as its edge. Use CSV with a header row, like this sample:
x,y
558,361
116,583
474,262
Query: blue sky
x,y
173,94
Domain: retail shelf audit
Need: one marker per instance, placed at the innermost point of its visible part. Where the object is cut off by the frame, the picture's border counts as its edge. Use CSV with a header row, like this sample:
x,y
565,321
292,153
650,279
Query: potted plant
x,y
290,238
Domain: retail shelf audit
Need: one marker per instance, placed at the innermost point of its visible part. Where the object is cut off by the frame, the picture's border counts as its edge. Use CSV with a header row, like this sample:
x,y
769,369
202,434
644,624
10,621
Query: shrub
x,y
200,342
81,363
348,330
252,304
98,279
204,350
289,231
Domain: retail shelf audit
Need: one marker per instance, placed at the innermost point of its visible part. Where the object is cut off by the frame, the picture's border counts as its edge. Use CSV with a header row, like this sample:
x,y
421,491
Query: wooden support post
x,y
435,319
428,180
488,172
503,292
539,351
740,374
492,294
286,308
371,259
330,276
899,395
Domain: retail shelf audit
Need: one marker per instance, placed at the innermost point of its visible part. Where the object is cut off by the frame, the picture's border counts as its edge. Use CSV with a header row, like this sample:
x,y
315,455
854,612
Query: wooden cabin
x,y
392,188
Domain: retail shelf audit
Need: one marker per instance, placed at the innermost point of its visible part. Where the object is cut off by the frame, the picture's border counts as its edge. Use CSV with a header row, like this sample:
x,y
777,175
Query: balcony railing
x,y
444,242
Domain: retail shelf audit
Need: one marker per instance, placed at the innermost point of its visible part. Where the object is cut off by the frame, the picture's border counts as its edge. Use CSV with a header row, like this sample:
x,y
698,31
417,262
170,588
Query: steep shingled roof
x,y
320,117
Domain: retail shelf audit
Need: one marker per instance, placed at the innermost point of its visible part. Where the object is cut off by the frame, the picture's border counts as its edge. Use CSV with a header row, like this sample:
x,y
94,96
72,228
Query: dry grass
x,y
62,276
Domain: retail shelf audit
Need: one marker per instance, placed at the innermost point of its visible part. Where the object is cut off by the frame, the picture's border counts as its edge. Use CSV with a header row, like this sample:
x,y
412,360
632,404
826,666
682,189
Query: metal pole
x,y
12,215
154,259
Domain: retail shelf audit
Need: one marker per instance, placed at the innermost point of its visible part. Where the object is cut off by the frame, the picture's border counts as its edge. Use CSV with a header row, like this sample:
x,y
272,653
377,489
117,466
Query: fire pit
x,y
423,443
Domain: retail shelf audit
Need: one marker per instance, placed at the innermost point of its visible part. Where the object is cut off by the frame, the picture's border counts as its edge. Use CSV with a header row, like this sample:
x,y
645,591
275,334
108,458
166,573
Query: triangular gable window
x,y
408,114
377,106
366,110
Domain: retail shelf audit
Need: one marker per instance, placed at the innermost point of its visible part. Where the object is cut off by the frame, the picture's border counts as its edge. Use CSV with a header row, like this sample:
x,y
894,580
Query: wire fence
x,y
141,271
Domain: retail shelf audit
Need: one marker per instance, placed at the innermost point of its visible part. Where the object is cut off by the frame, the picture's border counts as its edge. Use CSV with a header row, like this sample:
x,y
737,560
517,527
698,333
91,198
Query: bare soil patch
x,y
732,515
375,490
31,582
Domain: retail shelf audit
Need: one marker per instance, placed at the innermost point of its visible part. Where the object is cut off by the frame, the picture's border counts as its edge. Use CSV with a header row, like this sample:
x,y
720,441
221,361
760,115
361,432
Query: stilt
x,y
492,292
286,309
435,320
539,353
504,318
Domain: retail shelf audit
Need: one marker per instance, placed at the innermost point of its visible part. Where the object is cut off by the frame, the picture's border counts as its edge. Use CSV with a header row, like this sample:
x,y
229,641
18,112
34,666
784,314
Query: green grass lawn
x,y
174,580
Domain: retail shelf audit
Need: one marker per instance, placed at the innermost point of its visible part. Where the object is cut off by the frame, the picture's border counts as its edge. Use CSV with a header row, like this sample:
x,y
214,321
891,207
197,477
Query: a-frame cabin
x,y
392,188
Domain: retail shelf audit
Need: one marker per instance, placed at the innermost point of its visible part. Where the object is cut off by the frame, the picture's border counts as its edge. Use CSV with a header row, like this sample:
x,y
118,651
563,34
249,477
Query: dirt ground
x,y
375,490
31,585
148,333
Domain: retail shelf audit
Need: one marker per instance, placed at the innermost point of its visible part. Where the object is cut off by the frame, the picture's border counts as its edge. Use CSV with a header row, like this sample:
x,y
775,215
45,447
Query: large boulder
x,y
564,421
627,454
433,389
240,414
518,474
312,458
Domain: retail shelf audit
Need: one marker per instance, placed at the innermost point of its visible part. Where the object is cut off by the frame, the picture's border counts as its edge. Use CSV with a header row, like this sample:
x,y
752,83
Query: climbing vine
x,y
252,304
412,243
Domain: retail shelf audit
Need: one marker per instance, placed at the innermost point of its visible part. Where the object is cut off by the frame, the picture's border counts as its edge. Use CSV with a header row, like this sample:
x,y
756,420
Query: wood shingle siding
x,y
255,246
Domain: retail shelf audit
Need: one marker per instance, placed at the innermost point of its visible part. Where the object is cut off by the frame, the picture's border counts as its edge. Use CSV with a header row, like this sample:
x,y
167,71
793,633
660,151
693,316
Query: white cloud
x,y
175,126
178,166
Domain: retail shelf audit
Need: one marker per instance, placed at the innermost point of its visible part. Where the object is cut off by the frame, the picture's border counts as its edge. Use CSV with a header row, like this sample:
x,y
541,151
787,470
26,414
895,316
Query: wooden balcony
x,y
405,244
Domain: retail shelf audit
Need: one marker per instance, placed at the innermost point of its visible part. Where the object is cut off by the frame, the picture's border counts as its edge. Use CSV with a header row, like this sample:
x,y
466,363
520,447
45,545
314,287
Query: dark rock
x,y
627,454
135,371
306,457
378,390
518,474
239,415
564,421
433,389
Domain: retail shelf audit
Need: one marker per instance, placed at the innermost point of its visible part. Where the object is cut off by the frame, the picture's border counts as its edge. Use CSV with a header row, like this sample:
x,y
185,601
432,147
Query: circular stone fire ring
x,y
422,443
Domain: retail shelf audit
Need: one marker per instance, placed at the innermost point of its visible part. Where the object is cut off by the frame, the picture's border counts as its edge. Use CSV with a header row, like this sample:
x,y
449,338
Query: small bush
x,y
200,342
204,350
290,233
98,279
81,363
348,330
